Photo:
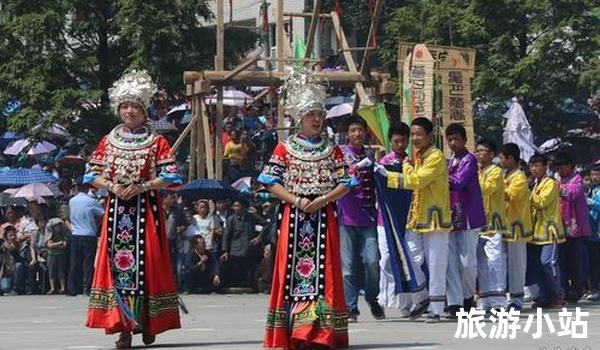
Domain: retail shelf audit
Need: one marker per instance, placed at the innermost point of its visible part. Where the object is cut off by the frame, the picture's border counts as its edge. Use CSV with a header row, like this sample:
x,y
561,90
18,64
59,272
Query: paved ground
x,y
236,322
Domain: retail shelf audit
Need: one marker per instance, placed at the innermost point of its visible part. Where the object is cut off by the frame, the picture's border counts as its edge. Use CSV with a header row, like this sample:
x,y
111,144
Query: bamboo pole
x,y
207,144
280,38
312,27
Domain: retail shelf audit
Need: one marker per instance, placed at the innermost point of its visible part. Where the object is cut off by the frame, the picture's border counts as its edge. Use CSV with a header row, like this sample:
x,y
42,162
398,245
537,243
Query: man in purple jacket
x,y
467,218
358,226
573,209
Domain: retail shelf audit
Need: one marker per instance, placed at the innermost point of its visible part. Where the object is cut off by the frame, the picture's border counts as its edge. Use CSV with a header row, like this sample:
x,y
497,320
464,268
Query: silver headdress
x,y
135,86
304,93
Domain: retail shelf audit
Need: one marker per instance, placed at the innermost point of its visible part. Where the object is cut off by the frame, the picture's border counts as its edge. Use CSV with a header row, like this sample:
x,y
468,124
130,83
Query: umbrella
x,y
517,130
24,176
7,200
207,189
338,100
162,125
38,148
187,117
35,192
232,98
244,182
340,110
8,137
181,108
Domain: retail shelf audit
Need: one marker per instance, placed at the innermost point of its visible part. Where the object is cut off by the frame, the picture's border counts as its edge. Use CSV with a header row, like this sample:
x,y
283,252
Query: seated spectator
x,y
183,246
240,246
201,268
57,236
206,225
12,265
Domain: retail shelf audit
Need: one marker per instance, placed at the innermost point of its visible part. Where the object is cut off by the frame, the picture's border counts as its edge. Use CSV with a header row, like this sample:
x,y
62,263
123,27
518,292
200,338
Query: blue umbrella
x,y
207,189
7,138
24,176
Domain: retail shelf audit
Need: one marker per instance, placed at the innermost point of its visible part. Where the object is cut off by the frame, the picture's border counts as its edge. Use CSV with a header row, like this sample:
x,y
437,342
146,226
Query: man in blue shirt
x,y
85,218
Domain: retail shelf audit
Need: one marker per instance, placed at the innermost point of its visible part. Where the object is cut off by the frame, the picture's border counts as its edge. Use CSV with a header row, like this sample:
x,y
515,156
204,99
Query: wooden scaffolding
x,y
206,150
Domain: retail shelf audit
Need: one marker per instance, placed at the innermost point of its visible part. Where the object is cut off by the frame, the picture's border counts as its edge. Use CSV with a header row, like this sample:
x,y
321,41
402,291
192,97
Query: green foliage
x,y
541,51
59,57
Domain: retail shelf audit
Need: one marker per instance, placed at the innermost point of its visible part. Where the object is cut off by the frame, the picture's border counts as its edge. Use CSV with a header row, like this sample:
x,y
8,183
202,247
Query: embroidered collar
x,y
302,148
124,138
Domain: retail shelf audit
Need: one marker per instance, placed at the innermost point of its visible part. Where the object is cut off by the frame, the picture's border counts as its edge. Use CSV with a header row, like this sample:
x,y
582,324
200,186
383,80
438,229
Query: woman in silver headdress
x,y
308,173
133,289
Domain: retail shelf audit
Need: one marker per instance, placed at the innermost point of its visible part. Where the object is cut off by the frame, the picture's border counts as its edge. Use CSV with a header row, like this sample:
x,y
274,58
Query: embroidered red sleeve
x,y
163,151
279,155
98,155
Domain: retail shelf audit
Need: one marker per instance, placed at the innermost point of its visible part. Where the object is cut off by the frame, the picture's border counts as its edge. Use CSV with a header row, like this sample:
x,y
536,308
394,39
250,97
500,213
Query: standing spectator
x,y
183,246
235,152
573,208
85,214
593,202
227,130
206,225
240,240
12,219
31,233
221,214
202,268
174,226
11,262
57,236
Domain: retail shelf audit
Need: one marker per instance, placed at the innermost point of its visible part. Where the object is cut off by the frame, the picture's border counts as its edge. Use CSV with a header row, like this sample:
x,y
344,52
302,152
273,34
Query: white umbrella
x,y
340,110
34,192
553,145
232,98
38,148
181,108
162,125
244,182
517,130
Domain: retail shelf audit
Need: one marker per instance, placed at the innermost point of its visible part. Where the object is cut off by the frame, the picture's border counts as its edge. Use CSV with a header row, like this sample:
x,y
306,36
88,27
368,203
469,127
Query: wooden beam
x,y
240,68
218,164
358,49
184,134
305,14
262,94
372,33
280,39
193,139
207,146
273,78
220,57
279,34
358,86
312,27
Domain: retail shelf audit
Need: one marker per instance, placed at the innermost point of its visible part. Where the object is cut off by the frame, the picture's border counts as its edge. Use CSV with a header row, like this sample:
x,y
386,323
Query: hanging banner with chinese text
x,y
417,85
456,96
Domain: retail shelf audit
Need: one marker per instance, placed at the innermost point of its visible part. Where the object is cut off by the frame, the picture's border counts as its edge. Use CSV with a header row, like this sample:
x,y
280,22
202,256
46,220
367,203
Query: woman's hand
x,y
304,202
132,191
316,204
119,190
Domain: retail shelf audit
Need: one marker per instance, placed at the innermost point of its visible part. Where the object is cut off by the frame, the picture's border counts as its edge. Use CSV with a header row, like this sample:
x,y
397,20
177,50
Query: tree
x,y
60,57
541,51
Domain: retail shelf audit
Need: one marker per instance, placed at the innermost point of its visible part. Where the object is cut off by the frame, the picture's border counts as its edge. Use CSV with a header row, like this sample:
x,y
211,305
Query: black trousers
x,y
241,271
81,271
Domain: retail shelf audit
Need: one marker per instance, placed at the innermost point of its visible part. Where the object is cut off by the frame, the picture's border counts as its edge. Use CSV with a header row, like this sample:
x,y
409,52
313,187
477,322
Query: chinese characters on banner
x,y
455,67
456,96
417,85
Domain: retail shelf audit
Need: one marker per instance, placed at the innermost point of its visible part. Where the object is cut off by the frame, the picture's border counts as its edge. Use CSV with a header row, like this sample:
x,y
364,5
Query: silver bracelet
x,y
297,201
145,186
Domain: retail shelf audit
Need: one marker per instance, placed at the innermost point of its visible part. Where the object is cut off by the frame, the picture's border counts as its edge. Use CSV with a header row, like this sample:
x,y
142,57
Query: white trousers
x,y
462,266
387,293
491,271
432,249
516,256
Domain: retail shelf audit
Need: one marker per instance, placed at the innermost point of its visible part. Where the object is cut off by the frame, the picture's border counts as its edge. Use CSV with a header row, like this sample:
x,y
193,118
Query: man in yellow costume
x,y
548,233
518,223
491,257
429,220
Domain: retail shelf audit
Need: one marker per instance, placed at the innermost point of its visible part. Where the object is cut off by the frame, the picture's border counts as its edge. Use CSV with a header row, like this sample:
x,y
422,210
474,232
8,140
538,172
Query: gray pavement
x,y
236,322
